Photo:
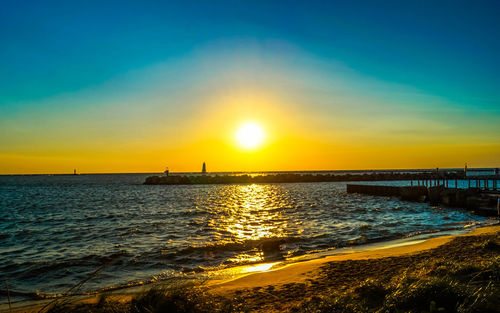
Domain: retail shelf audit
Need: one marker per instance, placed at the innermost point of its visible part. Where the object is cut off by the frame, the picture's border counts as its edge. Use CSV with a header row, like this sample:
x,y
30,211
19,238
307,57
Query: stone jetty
x,y
298,178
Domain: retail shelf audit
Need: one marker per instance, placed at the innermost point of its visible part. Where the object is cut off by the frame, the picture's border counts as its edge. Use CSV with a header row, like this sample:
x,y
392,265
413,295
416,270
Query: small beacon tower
x,y
204,169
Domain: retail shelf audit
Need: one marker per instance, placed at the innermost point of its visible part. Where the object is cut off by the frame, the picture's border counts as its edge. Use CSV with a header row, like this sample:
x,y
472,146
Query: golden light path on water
x,y
250,219
252,215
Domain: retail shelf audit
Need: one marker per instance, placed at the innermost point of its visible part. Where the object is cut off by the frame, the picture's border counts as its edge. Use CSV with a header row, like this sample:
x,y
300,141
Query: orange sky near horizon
x,y
281,157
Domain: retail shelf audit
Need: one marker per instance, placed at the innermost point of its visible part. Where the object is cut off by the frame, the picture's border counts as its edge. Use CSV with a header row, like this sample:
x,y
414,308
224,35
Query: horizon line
x,y
265,171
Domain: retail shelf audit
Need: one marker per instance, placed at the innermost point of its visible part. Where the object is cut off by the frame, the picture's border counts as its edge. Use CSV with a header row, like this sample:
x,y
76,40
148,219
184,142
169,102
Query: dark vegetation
x,y
157,300
292,178
461,276
450,287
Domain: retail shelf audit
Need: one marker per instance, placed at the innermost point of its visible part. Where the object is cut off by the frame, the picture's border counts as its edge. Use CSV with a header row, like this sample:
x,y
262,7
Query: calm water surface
x,y
56,230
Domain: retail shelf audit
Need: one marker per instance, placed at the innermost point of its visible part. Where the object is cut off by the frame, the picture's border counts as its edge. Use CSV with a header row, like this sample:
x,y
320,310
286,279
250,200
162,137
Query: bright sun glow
x,y
250,135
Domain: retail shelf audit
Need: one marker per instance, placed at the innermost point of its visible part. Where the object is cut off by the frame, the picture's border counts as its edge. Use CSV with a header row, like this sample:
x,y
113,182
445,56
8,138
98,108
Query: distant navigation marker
x,y
204,168
74,171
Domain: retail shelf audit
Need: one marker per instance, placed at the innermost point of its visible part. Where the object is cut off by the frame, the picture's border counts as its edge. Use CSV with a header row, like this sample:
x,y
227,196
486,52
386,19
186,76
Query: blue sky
x,y
445,50
443,47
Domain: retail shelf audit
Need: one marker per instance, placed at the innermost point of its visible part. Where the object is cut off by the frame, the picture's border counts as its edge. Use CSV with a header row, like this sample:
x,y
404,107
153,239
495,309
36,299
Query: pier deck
x,y
482,202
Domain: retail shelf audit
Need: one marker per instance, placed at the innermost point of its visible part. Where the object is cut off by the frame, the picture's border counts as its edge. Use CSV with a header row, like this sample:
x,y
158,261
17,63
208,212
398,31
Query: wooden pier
x,y
482,201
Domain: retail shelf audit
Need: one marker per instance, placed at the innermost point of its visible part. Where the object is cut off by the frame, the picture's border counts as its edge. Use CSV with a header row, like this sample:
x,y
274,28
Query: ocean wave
x,y
33,269
228,246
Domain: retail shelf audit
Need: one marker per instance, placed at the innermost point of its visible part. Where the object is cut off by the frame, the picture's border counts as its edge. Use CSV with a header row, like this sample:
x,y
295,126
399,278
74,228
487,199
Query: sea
x,y
102,231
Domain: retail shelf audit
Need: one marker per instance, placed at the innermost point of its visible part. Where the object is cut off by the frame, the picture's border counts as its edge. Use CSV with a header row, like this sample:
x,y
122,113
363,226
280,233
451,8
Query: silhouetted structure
x,y
271,249
474,199
427,178
166,171
418,178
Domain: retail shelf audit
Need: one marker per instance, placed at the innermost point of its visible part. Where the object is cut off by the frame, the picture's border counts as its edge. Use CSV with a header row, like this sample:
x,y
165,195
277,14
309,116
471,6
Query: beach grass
x,y
451,287
187,298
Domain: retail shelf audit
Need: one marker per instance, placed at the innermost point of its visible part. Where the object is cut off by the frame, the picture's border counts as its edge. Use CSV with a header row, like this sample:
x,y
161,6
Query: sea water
x,y
56,231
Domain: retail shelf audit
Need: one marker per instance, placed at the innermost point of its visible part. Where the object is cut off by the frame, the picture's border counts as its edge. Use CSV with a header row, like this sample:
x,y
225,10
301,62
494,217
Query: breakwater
x,y
474,199
298,178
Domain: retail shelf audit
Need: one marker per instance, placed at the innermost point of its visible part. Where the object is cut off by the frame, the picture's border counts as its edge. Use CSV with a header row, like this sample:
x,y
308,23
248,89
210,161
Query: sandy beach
x,y
285,288
282,288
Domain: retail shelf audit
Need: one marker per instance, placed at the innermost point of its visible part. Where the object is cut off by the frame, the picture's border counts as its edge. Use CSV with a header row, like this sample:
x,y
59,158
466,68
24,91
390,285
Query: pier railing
x,y
483,182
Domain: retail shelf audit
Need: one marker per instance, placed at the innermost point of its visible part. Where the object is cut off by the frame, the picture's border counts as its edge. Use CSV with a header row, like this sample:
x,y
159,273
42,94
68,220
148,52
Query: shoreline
x,y
215,275
295,272
298,270
236,272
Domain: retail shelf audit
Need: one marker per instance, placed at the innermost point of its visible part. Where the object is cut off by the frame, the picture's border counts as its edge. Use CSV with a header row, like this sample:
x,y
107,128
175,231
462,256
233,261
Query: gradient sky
x,y
134,86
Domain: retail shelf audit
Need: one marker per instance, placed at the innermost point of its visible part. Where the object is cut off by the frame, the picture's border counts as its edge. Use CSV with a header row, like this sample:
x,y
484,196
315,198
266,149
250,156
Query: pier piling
x,y
8,295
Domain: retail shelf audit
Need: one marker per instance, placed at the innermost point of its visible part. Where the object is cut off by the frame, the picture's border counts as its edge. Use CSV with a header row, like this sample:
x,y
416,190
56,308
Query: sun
x,y
249,135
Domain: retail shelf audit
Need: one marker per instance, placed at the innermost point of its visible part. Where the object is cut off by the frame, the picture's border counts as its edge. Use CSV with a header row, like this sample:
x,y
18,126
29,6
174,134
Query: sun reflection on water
x,y
258,268
251,218
250,214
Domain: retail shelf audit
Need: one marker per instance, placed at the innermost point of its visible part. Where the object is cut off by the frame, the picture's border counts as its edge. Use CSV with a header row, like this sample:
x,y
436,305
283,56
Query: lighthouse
x,y
204,169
